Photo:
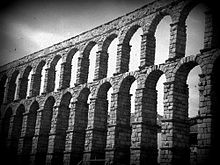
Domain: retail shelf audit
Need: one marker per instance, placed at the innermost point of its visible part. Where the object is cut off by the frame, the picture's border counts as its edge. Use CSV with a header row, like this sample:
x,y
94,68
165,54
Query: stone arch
x,y
61,128
12,86
156,20
108,41
150,34
45,126
102,56
51,74
68,68
16,129
180,110
88,48
189,63
123,52
129,33
29,132
150,112
24,82
84,63
186,8
122,112
70,55
3,83
37,78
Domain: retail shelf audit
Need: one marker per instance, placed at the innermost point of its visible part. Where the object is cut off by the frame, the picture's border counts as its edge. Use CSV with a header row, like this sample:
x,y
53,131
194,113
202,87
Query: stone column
x,y
8,141
19,89
75,137
144,128
52,135
65,75
148,45
123,56
175,126
7,95
205,122
36,136
83,69
211,34
35,84
119,130
101,65
177,41
49,81
96,132
22,87
21,150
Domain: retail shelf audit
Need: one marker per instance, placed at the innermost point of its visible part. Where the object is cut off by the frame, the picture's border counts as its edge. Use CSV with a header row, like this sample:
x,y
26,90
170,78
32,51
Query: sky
x,y
27,26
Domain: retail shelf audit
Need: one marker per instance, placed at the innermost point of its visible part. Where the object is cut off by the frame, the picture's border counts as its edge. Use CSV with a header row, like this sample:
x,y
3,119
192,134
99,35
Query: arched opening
x,y
53,75
74,67
57,74
29,83
135,52
16,130
187,104
92,62
45,126
16,83
3,83
153,111
124,120
112,56
30,130
25,83
162,35
160,110
42,78
132,94
12,89
61,128
195,30
193,82
109,98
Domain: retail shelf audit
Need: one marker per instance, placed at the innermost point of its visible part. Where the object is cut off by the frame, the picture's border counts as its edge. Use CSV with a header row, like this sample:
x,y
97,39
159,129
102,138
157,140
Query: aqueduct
x,y
44,126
